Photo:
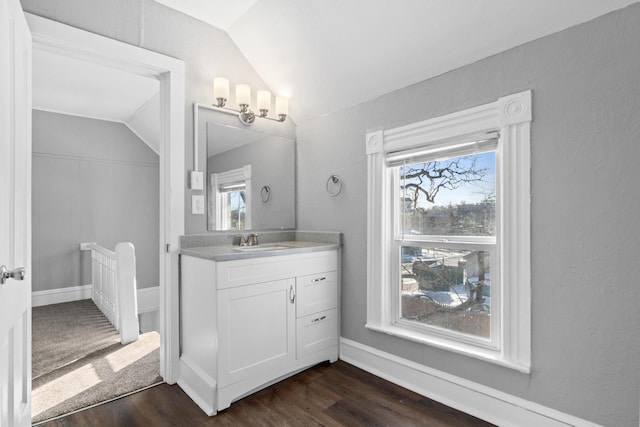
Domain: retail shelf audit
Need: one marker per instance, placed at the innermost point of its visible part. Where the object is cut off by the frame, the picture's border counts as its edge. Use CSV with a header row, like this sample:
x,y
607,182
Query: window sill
x,y
476,352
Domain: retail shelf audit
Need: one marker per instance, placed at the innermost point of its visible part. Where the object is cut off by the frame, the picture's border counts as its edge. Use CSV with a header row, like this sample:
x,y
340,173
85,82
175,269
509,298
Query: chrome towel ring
x,y
334,185
265,194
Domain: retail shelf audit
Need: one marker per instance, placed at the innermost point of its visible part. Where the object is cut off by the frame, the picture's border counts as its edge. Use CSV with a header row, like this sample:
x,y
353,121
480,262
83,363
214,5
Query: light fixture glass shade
x,y
282,106
243,95
264,100
220,88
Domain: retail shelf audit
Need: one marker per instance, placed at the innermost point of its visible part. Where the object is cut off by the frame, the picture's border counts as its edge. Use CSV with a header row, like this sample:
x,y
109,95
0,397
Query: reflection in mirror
x,y
231,195
250,179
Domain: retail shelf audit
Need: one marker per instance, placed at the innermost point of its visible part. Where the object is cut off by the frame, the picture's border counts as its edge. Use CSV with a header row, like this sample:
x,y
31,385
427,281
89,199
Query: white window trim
x,y
511,116
235,175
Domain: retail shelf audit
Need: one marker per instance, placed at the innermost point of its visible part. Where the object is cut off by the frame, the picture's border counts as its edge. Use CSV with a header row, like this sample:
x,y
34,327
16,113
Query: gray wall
x,y
207,52
585,201
93,181
585,210
272,163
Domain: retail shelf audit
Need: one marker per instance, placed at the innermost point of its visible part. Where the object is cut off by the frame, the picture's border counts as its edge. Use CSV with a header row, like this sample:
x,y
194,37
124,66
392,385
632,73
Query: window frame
x,y
510,345
220,207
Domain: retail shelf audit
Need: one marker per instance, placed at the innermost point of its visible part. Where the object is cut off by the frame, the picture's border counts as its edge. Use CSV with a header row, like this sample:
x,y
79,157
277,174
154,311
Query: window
x,y
232,205
445,219
232,199
448,232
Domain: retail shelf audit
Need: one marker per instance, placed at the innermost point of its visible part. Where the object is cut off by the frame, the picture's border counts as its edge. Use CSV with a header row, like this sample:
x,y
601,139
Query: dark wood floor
x,y
329,395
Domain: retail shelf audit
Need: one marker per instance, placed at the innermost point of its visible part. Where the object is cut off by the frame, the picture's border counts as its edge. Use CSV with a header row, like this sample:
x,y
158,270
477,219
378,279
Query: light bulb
x,y
243,95
221,90
282,107
263,102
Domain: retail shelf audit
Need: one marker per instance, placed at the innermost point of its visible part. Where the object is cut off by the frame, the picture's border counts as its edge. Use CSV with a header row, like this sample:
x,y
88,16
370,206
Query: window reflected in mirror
x,y
232,199
241,163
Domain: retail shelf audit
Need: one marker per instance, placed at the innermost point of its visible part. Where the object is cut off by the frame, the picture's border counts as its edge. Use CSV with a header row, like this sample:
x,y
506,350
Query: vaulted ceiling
x,y
331,54
327,55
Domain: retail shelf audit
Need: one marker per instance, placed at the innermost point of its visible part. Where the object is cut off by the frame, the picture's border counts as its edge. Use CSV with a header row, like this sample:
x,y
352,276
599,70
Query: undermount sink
x,y
259,248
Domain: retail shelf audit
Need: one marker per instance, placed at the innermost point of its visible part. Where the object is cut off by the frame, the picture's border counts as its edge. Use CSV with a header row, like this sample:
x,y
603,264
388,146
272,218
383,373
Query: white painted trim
x,y
200,387
148,299
53,36
127,295
511,116
57,296
232,176
467,396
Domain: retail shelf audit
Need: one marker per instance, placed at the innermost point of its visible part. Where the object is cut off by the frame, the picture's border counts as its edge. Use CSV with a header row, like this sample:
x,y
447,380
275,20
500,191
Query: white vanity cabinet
x,y
247,323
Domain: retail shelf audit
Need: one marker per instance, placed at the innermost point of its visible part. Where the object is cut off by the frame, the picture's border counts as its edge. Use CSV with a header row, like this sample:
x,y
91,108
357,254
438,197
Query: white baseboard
x,y
148,298
475,399
57,296
199,386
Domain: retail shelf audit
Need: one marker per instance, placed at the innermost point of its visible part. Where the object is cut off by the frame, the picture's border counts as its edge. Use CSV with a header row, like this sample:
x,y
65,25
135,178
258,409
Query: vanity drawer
x,y
316,293
316,332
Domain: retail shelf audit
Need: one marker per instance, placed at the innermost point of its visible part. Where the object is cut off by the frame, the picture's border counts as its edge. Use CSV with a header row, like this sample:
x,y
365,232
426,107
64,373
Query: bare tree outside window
x,y
427,179
443,286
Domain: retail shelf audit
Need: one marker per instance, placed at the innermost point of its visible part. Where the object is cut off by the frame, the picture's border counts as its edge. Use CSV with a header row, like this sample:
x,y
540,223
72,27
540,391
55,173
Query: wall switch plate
x,y
197,204
197,180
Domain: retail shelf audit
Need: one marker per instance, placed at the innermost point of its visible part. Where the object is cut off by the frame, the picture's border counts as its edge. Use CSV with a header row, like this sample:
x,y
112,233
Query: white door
x,y
15,216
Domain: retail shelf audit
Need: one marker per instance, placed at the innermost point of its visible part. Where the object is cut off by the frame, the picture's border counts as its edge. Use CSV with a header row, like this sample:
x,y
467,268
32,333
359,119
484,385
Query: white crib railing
x,y
113,276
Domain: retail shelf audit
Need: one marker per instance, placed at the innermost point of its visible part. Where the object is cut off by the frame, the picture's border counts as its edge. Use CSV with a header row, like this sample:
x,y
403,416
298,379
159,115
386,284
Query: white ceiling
x,y
221,137
219,13
67,85
331,54
325,55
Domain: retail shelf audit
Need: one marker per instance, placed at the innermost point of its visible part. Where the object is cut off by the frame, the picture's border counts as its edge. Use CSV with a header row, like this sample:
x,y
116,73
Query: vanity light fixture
x,y
243,99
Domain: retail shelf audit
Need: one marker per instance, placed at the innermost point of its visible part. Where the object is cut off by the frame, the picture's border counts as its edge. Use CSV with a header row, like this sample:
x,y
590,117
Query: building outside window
x,y
446,222
448,232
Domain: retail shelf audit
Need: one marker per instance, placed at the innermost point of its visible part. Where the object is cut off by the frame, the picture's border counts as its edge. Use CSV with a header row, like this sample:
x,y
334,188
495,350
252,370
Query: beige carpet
x,y
78,361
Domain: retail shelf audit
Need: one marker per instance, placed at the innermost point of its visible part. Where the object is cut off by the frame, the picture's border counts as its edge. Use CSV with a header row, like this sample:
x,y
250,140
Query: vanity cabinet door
x,y
257,324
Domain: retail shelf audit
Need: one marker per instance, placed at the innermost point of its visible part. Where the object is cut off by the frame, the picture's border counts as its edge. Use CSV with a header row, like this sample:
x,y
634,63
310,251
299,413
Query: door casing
x,y
53,36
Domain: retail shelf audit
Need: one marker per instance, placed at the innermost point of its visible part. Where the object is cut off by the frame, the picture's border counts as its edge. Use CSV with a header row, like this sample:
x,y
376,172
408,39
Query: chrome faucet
x,y
250,240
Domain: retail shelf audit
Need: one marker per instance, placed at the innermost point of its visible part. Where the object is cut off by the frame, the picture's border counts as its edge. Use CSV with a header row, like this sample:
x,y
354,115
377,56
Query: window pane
x,y
237,209
451,197
447,288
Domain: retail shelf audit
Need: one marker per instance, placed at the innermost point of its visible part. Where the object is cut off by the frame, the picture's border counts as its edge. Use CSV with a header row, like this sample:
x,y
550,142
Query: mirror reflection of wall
x,y
250,179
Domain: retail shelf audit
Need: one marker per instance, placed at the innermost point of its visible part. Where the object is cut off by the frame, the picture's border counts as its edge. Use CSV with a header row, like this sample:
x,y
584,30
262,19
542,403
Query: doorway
x,y
52,37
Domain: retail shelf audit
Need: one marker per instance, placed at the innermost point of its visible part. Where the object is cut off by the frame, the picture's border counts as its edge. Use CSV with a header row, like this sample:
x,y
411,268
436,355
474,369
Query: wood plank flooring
x,y
336,394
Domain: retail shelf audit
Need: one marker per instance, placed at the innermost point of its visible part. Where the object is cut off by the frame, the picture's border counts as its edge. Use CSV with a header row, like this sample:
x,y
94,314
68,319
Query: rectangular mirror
x,y
250,179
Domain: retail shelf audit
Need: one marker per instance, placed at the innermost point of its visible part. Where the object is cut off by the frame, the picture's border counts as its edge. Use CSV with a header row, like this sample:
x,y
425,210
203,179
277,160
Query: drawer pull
x,y
318,319
319,279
